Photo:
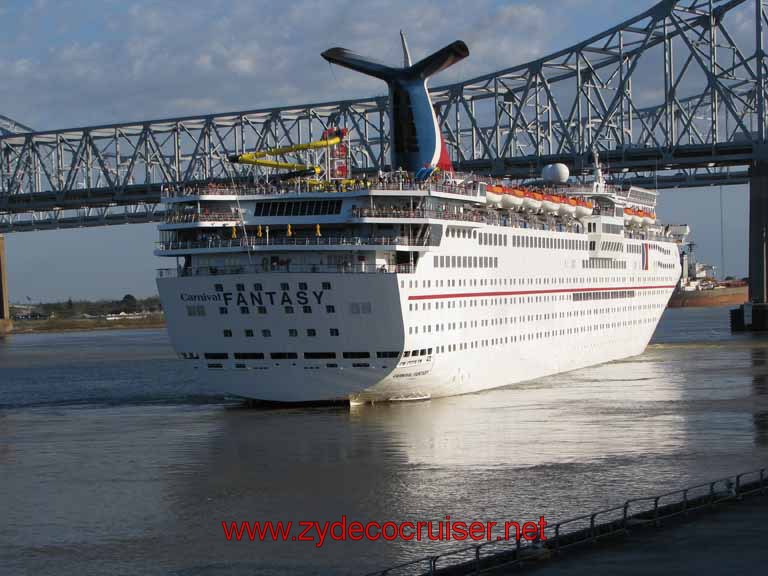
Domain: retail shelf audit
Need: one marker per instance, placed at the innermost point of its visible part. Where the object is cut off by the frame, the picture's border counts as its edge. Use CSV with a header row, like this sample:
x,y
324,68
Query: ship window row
x,y
513,320
292,332
455,232
426,351
544,334
328,365
355,308
611,246
195,310
525,241
297,208
466,262
604,263
474,344
605,227
657,248
361,355
548,242
419,352
604,295
491,239
284,286
564,280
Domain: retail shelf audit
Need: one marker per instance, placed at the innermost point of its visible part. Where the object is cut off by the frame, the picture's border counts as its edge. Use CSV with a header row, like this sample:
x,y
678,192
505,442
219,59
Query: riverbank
x,y
734,296
85,324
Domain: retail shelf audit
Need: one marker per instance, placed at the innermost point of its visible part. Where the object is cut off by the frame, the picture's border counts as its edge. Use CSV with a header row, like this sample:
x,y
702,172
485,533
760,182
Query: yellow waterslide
x,y
259,158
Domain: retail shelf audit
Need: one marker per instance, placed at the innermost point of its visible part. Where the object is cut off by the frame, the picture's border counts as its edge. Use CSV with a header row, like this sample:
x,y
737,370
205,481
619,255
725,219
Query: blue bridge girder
x,y
670,98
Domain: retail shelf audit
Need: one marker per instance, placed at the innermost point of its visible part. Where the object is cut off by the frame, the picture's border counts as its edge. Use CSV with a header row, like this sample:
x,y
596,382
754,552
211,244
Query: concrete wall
x,y
5,313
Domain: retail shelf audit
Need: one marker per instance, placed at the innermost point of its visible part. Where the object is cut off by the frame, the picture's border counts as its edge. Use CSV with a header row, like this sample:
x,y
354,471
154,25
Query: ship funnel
x,y
416,141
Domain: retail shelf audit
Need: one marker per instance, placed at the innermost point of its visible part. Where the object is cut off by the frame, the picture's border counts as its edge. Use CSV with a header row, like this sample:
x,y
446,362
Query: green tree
x,y
129,303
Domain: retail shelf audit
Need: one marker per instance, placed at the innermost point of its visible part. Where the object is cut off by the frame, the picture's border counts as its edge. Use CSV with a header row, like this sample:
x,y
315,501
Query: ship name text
x,y
260,298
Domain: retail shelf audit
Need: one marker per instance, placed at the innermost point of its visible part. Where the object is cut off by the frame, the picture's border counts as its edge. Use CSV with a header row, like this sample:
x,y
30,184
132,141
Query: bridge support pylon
x,y
753,316
5,312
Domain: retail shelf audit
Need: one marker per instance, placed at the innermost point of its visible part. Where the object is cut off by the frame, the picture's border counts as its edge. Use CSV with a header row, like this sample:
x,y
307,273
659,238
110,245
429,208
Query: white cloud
x,y
241,54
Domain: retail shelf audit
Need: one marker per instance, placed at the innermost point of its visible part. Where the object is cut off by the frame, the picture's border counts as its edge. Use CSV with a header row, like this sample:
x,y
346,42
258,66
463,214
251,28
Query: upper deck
x,y
466,189
391,214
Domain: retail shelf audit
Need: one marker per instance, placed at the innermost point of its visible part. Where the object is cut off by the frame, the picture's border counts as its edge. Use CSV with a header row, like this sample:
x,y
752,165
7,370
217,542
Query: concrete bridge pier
x,y
753,316
5,313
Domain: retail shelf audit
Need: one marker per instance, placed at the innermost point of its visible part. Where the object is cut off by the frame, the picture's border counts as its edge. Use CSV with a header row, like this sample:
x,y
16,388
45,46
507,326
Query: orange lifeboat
x,y
493,195
532,201
512,199
568,207
583,208
550,204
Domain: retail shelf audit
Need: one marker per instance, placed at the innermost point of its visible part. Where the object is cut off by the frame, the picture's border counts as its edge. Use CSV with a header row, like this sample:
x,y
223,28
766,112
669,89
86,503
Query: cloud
x,y
147,59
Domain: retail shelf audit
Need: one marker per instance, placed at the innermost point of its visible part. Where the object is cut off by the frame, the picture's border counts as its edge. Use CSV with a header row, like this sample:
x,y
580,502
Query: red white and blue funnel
x,y
416,142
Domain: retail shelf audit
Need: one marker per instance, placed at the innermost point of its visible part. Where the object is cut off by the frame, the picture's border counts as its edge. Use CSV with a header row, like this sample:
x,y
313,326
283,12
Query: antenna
x,y
407,63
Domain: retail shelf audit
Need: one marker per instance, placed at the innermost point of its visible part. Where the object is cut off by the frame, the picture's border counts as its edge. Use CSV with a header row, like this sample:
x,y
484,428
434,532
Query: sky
x,y
71,63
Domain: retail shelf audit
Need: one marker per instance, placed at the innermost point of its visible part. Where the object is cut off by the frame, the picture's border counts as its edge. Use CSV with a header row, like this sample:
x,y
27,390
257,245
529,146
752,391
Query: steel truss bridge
x,y
673,97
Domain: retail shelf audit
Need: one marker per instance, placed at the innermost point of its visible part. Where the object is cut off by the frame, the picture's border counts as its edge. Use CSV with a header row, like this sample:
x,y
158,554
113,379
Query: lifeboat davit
x,y
512,199
583,208
568,207
493,195
550,204
628,213
532,201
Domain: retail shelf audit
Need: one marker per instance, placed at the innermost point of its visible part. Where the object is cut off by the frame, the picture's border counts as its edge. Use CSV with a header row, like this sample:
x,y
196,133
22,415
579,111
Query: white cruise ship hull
x,y
444,330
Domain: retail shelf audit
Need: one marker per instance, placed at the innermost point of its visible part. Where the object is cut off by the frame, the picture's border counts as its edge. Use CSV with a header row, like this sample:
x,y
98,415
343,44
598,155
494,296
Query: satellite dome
x,y
555,174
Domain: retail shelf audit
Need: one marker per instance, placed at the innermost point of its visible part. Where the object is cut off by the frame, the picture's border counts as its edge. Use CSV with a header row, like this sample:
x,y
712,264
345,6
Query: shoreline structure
x,y
87,324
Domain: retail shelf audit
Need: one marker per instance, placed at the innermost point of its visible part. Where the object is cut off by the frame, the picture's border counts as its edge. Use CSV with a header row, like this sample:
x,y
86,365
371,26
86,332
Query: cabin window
x,y
319,355
249,356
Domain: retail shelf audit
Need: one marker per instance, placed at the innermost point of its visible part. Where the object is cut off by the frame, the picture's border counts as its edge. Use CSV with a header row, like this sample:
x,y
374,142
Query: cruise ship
x,y
309,283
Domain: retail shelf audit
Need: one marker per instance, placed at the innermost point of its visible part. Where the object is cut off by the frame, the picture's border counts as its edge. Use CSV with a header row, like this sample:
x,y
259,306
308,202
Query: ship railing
x,y
302,187
588,528
184,218
477,217
267,266
294,241
444,188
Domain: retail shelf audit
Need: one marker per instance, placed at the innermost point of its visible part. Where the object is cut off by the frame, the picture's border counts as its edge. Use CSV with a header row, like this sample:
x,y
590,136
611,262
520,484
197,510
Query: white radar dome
x,y
555,174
